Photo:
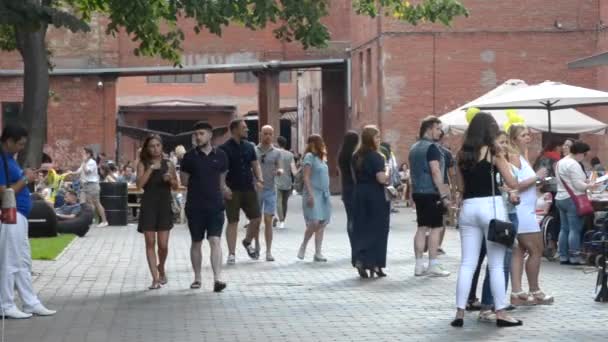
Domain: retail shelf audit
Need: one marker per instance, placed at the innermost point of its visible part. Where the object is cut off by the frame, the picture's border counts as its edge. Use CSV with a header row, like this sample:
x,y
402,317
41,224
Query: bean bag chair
x,y
80,224
42,220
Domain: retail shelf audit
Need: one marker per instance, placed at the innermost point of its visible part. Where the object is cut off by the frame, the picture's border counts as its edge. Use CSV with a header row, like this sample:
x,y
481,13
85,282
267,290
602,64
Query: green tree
x,y
154,25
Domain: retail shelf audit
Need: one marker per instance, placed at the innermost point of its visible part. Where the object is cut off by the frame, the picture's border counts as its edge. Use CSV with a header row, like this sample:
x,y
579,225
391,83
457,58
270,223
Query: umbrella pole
x,y
549,119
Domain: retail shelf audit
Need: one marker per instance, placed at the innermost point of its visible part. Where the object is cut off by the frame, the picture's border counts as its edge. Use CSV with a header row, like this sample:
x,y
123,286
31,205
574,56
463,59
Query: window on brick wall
x,y
11,112
361,69
368,66
190,78
249,77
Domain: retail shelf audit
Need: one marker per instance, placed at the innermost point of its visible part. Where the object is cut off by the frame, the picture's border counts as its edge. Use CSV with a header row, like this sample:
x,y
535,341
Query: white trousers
x,y
473,224
16,265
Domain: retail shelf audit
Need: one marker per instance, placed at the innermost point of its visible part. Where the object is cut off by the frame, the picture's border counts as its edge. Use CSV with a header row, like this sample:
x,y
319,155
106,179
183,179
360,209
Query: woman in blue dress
x,y
315,196
371,208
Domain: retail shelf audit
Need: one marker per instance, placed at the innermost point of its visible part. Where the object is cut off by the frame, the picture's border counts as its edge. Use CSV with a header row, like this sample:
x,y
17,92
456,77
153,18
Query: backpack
x,y
298,182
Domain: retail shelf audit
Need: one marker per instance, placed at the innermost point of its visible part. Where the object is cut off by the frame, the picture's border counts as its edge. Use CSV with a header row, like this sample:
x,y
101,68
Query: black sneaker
x,y
249,248
218,286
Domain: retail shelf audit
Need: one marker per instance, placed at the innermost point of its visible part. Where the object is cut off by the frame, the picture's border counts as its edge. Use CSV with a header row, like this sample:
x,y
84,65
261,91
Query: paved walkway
x,y
99,287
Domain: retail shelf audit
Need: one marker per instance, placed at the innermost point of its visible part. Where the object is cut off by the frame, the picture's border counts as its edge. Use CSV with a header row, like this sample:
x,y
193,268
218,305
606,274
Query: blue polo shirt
x,y
24,202
240,156
205,170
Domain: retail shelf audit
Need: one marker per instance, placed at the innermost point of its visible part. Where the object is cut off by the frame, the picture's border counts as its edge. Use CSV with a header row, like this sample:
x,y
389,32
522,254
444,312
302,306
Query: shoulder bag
x,y
581,202
9,204
499,231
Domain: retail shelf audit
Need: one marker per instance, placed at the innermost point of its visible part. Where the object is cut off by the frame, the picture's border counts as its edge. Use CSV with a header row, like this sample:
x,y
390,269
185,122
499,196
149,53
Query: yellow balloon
x,y
513,118
471,112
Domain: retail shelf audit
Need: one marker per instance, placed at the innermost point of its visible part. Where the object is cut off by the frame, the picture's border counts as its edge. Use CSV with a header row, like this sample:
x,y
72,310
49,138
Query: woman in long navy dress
x,y
345,158
371,209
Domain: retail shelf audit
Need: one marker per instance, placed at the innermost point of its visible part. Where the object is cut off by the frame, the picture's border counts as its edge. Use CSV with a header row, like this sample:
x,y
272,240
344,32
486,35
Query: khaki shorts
x,y
246,200
89,192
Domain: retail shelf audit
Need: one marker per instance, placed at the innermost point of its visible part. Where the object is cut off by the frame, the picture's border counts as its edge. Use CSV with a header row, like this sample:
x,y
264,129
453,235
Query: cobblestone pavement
x,y
99,285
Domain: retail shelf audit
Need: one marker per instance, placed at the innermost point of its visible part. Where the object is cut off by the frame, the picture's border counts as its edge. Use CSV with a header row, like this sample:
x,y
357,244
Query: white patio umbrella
x,y
563,121
550,96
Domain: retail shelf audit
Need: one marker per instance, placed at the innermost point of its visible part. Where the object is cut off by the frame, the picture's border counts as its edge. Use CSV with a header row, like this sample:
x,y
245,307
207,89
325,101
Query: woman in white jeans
x,y
477,160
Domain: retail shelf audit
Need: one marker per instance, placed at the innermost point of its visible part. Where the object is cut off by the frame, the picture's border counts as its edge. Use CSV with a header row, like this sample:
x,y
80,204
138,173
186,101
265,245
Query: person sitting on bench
x,y
71,208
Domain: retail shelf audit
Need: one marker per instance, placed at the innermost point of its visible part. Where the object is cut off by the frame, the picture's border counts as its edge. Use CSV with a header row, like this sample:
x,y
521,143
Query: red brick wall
x,y
512,16
219,89
76,118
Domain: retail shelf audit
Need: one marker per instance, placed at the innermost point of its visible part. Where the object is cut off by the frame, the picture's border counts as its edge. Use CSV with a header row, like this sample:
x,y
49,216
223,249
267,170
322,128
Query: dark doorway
x,y
254,134
174,127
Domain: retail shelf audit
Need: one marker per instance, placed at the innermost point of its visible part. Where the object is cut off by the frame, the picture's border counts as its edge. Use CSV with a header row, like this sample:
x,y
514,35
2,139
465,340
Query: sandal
x,y
155,286
195,285
162,277
540,298
521,298
473,306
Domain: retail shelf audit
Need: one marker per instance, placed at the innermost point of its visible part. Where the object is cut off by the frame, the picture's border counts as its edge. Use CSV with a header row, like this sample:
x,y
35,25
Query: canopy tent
x,y
568,120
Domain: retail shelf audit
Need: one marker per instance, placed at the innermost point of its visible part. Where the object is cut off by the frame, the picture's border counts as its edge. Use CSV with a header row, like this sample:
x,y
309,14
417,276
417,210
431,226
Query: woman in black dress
x,y
371,208
156,176
351,140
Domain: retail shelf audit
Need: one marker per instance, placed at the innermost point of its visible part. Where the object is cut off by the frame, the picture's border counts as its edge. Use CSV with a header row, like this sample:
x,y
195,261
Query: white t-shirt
x,y
88,172
572,173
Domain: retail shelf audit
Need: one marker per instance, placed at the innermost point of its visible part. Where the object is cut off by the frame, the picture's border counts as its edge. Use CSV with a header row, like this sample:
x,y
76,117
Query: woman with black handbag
x,y
482,209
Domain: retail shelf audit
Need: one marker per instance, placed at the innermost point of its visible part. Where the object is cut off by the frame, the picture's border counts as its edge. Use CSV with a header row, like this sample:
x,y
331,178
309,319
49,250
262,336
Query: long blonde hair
x,y
367,143
514,132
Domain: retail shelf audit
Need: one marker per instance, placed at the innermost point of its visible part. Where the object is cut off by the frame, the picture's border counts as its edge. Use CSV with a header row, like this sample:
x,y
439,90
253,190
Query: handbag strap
x,y
493,180
5,165
566,186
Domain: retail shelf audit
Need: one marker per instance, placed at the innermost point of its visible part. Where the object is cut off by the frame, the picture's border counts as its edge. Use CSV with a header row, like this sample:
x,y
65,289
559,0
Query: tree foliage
x,y
153,23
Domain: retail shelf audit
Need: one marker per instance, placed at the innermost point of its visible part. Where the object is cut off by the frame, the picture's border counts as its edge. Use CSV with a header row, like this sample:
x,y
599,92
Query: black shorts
x,y
429,210
205,223
246,200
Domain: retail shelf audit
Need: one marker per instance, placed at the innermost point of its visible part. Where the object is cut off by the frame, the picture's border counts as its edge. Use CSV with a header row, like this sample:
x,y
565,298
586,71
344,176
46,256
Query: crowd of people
x,y
489,178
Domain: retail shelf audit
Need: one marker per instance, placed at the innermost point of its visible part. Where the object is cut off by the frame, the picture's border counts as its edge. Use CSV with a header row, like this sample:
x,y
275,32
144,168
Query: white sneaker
x,y
438,271
282,225
102,224
15,313
420,270
40,310
231,260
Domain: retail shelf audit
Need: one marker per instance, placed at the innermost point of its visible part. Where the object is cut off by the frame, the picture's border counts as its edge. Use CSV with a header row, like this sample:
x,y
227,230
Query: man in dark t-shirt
x,y
430,194
203,171
242,167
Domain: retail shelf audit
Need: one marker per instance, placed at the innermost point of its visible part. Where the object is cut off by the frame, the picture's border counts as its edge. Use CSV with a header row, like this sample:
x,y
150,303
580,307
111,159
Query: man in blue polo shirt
x,y
203,171
15,255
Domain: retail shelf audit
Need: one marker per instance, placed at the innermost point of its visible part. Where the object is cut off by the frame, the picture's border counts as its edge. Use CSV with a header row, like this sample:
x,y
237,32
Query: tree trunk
x,y
32,46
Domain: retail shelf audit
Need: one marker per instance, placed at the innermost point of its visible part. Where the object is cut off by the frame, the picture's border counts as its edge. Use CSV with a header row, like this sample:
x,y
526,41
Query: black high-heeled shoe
x,y
362,272
457,323
501,323
379,273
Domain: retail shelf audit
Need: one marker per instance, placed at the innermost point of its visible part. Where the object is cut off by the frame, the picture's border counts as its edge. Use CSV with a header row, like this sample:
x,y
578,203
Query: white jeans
x,y
473,223
16,265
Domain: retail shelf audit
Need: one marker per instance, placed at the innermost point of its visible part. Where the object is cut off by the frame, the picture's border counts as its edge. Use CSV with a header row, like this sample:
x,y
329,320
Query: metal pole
x,y
549,118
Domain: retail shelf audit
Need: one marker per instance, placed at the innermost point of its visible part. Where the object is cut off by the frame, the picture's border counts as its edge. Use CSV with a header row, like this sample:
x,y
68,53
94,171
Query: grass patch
x,y
50,248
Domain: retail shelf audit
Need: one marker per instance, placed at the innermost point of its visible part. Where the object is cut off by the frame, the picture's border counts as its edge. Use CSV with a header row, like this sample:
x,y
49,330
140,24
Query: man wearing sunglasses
x,y
270,162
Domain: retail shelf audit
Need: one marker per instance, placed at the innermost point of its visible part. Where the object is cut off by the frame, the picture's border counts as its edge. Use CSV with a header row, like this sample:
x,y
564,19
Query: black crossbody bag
x,y
499,231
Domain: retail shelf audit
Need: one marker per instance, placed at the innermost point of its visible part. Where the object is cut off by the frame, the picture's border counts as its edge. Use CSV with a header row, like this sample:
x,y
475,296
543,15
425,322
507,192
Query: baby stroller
x,y
548,217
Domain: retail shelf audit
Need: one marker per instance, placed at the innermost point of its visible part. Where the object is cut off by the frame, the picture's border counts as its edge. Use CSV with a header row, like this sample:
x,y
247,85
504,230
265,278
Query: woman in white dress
x,y
529,235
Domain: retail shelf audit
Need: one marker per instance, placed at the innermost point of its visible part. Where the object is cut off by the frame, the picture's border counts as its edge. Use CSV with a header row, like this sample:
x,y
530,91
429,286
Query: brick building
x,y
393,73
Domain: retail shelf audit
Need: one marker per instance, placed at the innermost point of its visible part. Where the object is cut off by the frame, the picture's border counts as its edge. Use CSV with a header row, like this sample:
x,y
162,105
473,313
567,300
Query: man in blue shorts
x,y
269,158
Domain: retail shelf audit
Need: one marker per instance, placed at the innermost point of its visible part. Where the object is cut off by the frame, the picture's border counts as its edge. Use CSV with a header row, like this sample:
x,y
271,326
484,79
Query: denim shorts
x,y
268,201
